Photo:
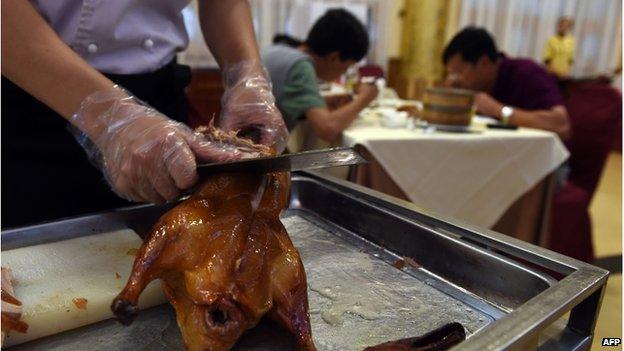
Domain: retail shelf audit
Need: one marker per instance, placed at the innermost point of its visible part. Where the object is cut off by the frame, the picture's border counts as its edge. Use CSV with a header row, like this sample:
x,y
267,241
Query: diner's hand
x,y
487,105
367,92
144,155
249,105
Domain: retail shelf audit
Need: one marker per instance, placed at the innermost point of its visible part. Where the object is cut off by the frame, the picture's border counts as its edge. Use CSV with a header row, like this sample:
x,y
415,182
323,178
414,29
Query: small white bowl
x,y
391,118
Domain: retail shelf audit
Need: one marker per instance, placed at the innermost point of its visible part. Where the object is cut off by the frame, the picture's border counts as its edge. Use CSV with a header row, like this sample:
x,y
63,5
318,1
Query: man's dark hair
x,y
338,30
471,43
287,40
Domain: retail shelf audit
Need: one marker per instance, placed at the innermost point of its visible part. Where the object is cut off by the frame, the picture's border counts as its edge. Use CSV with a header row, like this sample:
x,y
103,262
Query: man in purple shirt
x,y
516,91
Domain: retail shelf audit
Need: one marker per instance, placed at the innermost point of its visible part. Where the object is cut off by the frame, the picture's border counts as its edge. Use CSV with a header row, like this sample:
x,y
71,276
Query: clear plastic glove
x,y
144,155
249,105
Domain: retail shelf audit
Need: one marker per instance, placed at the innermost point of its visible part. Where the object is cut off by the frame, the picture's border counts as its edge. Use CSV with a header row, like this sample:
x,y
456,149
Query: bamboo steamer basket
x,y
448,106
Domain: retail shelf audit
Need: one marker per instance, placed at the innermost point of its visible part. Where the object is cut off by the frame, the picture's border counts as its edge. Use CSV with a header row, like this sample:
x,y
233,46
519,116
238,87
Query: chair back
x,y
595,111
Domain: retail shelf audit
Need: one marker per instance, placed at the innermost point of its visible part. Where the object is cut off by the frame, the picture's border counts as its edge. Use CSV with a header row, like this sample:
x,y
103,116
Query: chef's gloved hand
x,y
249,105
144,155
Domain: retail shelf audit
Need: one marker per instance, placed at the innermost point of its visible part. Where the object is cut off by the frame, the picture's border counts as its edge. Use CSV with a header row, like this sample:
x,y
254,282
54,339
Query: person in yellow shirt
x,y
559,50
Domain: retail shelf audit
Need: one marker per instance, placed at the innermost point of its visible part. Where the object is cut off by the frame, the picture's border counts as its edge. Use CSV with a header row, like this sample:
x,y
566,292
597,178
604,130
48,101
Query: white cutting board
x,y
48,277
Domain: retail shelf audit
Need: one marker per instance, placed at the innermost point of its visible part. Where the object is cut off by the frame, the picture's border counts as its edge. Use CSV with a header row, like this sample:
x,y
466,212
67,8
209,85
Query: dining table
x,y
501,179
488,177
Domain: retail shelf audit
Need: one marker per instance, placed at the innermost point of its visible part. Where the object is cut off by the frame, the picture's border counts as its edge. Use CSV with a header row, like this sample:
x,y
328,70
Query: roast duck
x,y
225,259
11,306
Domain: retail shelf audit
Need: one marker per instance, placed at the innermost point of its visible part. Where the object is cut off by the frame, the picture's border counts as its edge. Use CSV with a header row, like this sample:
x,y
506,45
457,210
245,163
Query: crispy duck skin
x,y
11,307
225,260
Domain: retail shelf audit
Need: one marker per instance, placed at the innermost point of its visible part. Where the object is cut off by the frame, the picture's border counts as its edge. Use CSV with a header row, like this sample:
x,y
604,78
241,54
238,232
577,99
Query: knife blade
x,y
306,160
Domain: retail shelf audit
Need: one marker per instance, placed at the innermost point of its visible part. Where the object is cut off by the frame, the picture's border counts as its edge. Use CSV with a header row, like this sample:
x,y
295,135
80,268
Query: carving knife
x,y
307,160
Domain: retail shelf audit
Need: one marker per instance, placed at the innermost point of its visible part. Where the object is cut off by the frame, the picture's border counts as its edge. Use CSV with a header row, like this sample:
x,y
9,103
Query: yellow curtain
x,y
427,26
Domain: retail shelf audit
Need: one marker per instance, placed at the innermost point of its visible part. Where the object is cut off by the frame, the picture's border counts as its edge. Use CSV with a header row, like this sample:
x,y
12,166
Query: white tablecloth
x,y
473,177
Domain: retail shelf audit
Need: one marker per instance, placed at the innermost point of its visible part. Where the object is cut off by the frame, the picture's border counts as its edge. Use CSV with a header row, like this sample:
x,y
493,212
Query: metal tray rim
x,y
582,282
580,290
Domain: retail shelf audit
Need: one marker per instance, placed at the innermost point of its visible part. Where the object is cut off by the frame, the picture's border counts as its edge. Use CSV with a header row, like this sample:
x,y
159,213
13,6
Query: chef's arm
x,y
248,105
228,30
38,61
144,155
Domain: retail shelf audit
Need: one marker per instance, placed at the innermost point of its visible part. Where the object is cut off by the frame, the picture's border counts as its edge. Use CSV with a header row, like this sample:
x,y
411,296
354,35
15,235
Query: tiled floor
x,y
606,212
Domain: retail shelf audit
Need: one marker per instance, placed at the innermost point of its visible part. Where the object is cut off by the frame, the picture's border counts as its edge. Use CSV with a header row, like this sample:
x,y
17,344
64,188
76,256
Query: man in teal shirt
x,y
335,42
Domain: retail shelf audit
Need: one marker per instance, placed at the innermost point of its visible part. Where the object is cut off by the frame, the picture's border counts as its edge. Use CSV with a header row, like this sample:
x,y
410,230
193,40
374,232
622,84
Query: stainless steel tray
x,y
501,289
